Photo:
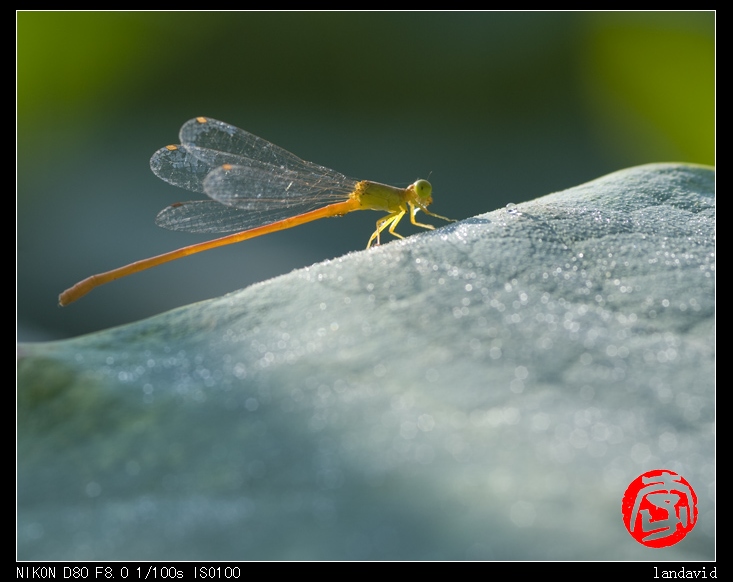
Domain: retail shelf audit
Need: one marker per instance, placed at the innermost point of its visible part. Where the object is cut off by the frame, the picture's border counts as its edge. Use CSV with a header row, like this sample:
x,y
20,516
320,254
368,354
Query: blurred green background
x,y
492,107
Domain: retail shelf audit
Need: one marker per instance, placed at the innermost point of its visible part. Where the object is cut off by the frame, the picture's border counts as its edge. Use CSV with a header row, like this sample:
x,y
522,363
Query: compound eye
x,y
423,189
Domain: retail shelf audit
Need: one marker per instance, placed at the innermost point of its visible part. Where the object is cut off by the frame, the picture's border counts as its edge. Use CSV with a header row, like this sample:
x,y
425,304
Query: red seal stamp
x,y
659,508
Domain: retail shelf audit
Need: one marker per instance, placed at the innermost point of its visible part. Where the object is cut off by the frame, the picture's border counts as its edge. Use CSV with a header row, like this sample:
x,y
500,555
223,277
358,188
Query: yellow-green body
x,y
396,201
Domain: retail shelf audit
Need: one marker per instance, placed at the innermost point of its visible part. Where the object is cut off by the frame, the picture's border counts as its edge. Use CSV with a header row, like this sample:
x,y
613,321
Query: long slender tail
x,y
85,286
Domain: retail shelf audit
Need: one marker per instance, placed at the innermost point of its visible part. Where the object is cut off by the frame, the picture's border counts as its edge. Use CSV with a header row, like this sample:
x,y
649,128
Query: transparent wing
x,y
252,187
182,167
207,216
251,181
210,134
